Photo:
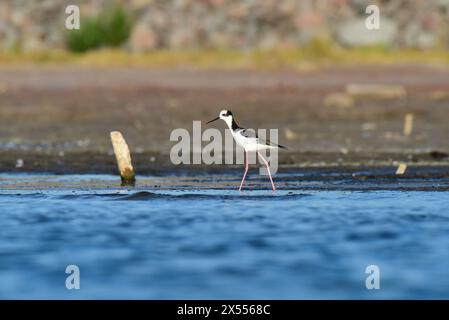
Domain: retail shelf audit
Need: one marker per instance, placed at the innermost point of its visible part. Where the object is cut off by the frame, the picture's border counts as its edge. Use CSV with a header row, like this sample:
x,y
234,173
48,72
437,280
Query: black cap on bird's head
x,y
225,115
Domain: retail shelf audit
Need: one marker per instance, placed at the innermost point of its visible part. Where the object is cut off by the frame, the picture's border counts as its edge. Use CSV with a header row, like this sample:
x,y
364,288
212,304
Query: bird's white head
x,y
224,115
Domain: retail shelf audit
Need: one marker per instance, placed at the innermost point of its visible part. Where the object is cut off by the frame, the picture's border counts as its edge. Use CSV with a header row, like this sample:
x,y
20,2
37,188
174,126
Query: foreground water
x,y
218,243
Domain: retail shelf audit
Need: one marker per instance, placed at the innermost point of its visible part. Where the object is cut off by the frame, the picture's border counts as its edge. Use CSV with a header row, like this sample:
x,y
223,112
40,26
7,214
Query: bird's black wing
x,y
251,133
248,133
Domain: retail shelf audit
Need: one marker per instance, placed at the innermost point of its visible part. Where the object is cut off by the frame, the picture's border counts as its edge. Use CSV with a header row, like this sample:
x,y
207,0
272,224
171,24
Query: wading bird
x,y
249,141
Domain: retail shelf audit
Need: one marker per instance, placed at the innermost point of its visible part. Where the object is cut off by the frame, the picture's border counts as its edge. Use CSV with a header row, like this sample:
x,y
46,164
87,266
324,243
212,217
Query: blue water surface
x,y
189,244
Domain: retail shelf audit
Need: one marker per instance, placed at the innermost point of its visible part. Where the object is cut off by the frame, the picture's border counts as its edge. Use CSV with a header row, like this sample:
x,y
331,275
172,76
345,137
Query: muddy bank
x,y
59,119
327,171
347,178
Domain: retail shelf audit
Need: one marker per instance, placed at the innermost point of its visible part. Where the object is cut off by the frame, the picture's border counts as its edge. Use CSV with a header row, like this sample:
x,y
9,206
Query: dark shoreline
x,y
155,163
297,171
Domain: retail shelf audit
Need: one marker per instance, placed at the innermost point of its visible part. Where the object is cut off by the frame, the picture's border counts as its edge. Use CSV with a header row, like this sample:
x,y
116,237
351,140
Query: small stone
x,y
369,126
19,163
439,95
339,100
408,124
290,134
374,91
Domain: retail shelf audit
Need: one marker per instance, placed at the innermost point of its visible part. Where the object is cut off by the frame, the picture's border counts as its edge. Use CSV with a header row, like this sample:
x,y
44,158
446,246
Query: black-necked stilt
x,y
249,141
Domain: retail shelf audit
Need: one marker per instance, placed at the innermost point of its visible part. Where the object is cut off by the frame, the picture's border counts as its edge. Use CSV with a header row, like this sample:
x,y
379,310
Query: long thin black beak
x,y
213,120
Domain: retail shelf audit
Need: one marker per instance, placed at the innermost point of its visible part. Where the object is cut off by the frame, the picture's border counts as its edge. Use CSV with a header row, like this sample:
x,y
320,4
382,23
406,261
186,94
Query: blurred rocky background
x,y
145,25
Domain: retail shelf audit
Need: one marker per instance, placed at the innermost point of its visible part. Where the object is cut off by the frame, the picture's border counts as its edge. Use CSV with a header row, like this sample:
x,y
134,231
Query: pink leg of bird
x,y
246,171
268,168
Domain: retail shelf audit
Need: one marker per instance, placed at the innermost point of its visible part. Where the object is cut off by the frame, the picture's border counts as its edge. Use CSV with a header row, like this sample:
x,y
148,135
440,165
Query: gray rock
x,y
416,37
8,37
354,33
143,38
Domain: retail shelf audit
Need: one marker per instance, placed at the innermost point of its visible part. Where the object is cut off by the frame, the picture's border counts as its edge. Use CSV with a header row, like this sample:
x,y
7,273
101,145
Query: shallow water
x,y
217,243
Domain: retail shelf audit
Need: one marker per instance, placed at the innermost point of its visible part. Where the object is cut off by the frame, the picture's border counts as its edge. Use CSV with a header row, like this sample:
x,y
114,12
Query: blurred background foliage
x,y
224,33
111,28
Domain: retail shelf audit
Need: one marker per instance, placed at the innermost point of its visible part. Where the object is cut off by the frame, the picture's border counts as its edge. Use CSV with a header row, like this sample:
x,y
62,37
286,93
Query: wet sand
x,y
58,119
422,178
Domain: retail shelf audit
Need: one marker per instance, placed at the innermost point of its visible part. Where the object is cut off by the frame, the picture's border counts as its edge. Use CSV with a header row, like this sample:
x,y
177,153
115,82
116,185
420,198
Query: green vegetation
x,y
88,37
115,25
316,55
109,29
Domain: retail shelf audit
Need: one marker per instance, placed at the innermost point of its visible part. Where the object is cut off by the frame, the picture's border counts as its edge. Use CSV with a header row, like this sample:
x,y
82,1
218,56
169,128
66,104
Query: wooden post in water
x,y
123,157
